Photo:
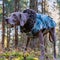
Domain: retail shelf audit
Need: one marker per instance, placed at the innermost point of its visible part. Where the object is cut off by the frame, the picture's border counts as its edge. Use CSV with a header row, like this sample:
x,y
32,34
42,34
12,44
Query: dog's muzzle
x,y
6,21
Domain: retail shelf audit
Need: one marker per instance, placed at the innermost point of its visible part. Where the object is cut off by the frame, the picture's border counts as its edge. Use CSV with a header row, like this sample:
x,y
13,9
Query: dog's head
x,y
17,18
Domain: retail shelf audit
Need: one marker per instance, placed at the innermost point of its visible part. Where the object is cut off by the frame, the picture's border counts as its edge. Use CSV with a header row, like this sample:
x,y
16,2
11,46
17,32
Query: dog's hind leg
x,y
53,35
42,47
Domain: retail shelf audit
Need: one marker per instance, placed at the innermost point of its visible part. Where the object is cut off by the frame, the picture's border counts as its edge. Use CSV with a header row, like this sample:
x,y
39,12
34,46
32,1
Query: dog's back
x,y
37,22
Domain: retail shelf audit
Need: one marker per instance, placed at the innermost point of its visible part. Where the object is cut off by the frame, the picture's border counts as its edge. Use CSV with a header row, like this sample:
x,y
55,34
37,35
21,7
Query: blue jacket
x,y
43,22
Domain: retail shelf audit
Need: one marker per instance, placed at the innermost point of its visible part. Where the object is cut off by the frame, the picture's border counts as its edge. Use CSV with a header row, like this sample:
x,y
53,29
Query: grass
x,y
17,56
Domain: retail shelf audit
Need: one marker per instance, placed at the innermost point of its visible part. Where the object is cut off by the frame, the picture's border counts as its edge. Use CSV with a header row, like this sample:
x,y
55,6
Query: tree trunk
x,y
8,36
59,30
33,5
3,27
16,29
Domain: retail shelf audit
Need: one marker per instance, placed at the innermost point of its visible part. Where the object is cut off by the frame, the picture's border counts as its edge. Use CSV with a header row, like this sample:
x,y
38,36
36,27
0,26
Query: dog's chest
x,y
28,26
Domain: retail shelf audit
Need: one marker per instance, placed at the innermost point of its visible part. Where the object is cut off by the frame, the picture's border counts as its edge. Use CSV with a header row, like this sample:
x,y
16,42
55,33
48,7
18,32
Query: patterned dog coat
x,y
43,22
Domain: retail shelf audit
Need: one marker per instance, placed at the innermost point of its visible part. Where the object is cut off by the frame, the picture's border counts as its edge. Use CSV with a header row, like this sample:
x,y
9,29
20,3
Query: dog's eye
x,y
14,16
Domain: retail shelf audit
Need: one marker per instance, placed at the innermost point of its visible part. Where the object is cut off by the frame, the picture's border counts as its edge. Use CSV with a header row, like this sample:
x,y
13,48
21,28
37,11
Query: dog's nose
x,y
11,25
6,20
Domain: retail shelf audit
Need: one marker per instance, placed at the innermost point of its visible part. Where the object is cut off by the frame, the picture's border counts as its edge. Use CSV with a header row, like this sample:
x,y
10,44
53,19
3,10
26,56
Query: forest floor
x,y
19,55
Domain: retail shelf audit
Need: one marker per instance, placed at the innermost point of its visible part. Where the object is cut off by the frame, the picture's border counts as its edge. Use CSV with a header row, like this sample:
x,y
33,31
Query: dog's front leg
x,y
42,47
28,40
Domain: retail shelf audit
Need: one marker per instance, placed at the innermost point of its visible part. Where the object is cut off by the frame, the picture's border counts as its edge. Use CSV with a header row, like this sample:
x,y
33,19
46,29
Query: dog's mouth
x,y
11,26
16,24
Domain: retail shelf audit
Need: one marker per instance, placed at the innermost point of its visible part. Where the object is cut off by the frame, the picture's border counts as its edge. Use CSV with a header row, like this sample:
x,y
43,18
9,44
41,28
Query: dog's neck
x,y
28,26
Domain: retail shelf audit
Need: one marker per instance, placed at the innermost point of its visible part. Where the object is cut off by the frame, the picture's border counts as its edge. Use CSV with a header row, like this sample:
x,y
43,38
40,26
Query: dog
x,y
27,20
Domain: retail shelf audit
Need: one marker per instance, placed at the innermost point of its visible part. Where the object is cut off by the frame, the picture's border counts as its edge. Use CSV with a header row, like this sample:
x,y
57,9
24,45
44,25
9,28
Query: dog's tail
x,y
50,39
45,32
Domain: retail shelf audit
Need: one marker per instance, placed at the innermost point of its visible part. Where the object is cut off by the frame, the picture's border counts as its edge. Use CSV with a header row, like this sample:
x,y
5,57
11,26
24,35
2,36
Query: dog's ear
x,y
20,15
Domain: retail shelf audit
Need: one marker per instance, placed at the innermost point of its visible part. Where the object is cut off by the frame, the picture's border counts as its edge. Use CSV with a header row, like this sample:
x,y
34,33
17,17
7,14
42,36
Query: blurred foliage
x,y
9,6
0,10
18,55
15,55
58,1
23,4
